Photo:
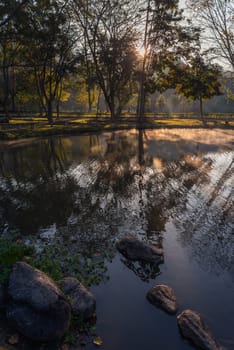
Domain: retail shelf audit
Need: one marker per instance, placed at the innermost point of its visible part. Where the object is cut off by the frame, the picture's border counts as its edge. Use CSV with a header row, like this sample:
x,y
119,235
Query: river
x,y
76,196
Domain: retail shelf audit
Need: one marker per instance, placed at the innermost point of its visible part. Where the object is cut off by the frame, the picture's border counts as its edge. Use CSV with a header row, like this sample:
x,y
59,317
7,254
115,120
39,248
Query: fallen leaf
x,y
98,341
13,339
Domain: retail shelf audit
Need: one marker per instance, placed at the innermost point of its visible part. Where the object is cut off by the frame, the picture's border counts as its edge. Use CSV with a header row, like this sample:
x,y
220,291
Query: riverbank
x,y
26,128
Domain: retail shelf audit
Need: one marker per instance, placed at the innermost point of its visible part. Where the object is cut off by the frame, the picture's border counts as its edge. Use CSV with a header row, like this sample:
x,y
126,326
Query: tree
x,y
166,41
9,48
161,102
48,40
88,70
109,40
217,18
9,10
199,80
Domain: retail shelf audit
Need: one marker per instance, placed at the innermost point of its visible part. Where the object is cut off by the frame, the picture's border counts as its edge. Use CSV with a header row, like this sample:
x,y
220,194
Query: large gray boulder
x,y
164,297
134,249
37,308
193,328
83,302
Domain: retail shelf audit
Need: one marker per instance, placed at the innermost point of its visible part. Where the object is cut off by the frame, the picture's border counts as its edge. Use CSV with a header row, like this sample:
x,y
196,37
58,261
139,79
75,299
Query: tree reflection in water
x,y
205,224
94,189
145,271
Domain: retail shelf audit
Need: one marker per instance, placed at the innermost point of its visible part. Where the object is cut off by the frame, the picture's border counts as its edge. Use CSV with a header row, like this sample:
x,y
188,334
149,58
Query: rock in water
x,y
164,297
134,249
193,328
38,309
82,301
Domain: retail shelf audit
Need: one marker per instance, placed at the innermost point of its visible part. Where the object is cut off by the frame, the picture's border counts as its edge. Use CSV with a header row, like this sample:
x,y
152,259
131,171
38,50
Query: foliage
x,y
58,261
167,41
84,55
49,266
199,80
10,253
50,40
54,260
109,47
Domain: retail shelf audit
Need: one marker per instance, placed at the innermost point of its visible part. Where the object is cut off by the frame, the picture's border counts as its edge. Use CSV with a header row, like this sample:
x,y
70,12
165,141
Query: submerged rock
x,y
193,328
134,249
164,297
38,308
83,302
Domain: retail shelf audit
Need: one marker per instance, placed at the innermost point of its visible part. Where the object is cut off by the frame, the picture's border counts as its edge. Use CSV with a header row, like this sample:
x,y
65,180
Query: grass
x,y
179,122
33,127
80,121
56,260
10,253
19,121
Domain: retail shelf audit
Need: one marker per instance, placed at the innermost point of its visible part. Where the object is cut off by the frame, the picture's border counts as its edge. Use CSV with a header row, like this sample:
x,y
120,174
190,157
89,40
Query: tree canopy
x,y
52,50
198,80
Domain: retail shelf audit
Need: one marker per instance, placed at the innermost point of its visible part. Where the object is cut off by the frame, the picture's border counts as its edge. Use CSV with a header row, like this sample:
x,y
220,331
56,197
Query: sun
x,y
141,51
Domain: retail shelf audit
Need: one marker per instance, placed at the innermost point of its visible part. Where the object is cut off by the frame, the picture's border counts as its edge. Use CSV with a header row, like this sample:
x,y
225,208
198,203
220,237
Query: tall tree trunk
x,y
141,99
13,103
111,104
42,104
142,94
88,70
119,111
98,103
6,86
201,108
112,111
57,109
58,98
13,90
89,100
50,111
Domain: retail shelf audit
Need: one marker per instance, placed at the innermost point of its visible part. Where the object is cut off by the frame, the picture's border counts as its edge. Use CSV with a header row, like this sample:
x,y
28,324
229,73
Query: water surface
x,y
172,188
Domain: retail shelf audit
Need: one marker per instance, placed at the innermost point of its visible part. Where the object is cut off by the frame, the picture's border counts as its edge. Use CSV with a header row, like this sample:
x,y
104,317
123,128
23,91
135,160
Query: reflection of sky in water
x,y
172,187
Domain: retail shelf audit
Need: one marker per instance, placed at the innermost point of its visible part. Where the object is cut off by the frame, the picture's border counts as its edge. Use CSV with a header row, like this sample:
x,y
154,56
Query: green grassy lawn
x,y
39,127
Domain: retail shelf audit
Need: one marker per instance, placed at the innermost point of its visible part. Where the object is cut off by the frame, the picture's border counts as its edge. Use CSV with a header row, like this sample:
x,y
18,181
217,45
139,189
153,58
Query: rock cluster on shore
x,y
38,308
41,310
82,301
